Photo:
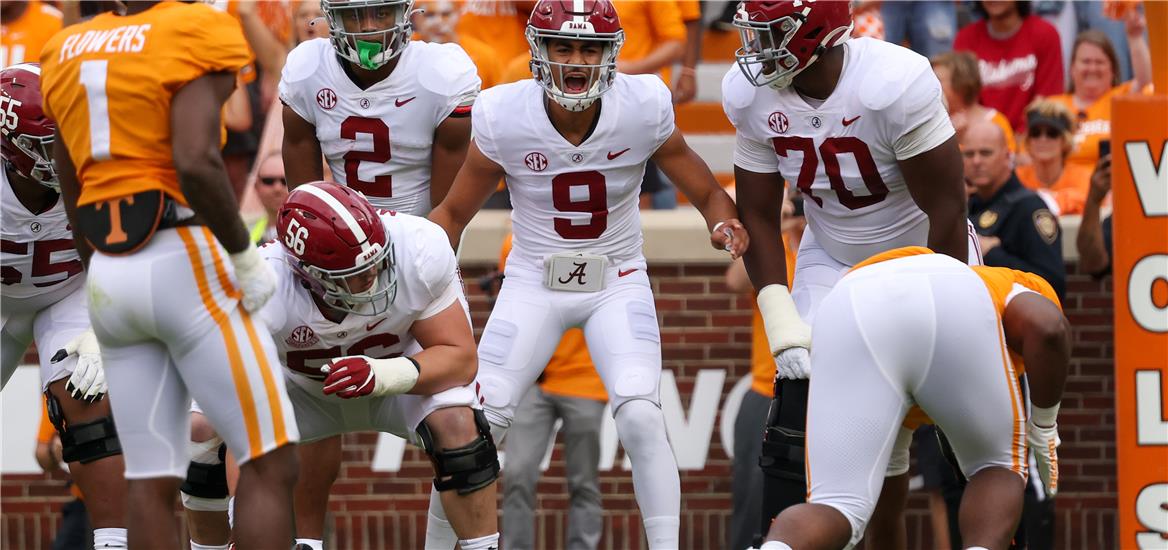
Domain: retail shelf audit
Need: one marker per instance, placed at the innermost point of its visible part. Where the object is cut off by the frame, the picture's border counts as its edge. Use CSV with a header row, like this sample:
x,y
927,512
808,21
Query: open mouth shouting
x,y
576,82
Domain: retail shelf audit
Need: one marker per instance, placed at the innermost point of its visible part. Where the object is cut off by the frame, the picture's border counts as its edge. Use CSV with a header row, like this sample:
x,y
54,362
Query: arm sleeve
x,y
924,121
754,155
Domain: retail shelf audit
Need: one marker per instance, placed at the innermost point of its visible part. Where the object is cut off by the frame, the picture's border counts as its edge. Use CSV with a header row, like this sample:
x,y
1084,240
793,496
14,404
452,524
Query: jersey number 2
x,y
381,186
595,203
830,150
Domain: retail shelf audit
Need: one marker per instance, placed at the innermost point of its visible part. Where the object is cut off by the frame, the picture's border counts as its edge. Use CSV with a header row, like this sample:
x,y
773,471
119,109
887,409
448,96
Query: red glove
x,y
359,376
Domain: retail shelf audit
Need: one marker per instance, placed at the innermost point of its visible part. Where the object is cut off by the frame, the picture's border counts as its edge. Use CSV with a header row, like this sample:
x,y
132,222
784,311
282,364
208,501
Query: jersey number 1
x,y
381,186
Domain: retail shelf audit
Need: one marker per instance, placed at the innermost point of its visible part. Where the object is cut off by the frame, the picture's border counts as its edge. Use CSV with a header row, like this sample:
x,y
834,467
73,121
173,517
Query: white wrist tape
x,y
1044,417
784,327
393,376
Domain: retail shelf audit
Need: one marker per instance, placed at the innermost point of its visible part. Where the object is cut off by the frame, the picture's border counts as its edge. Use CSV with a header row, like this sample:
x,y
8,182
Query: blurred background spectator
x,y
437,22
926,26
24,29
961,84
1015,228
1094,239
1049,134
271,189
1018,56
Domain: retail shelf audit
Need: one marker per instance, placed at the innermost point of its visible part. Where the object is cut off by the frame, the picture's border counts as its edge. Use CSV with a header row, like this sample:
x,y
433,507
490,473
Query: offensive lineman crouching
x,y
374,334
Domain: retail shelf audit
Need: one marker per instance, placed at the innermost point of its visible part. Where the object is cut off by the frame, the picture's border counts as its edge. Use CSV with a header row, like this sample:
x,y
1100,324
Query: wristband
x,y
1044,417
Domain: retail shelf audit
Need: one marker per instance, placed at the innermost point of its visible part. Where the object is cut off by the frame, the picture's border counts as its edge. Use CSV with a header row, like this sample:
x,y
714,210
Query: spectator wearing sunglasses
x,y
271,189
1049,139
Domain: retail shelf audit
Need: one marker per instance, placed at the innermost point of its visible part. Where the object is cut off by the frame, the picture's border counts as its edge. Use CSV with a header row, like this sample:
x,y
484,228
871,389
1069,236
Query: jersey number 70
x,y
830,150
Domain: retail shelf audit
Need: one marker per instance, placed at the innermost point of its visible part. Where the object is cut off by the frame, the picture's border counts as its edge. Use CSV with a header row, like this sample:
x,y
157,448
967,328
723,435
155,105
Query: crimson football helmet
x,y
369,48
781,38
337,243
26,134
591,20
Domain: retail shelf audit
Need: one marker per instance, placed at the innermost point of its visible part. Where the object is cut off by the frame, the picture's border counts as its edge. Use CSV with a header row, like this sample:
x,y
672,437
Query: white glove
x,y
358,376
1044,442
256,279
87,382
789,337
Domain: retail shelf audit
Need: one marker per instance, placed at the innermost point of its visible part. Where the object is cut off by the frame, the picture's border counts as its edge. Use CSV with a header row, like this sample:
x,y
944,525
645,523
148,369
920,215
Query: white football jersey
x,y
37,252
427,283
567,198
378,140
842,153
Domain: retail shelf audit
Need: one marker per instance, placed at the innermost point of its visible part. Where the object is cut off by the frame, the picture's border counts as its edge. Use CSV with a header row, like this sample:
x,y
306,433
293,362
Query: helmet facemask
x,y
40,149
340,288
373,49
597,78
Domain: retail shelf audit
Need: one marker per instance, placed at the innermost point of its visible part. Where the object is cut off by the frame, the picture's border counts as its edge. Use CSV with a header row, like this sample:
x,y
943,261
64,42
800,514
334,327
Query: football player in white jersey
x,y
572,144
390,115
374,333
859,126
43,300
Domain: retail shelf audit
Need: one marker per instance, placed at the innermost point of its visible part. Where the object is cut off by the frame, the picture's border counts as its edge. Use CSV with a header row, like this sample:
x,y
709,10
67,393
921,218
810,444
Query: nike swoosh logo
x,y
848,122
612,155
374,324
400,102
625,272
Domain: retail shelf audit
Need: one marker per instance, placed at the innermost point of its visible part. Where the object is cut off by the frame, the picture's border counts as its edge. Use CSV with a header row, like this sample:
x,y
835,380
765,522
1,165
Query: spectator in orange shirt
x,y
438,23
25,28
1050,130
685,86
569,390
961,85
499,23
1095,80
654,36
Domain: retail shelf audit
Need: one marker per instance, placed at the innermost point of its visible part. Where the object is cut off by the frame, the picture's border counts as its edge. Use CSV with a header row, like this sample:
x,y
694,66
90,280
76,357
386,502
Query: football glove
x,y
789,337
1044,442
87,382
256,279
360,376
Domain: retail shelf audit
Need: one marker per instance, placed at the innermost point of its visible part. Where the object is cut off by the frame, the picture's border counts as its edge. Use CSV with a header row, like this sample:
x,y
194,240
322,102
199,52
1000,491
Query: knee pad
x,y
465,469
207,474
83,442
783,440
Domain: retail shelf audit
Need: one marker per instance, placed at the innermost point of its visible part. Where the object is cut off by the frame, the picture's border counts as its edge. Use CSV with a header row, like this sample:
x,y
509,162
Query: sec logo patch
x,y
326,98
302,337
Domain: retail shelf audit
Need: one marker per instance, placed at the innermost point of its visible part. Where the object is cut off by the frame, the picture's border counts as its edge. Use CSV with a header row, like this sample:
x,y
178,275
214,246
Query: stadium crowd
x,y
1027,88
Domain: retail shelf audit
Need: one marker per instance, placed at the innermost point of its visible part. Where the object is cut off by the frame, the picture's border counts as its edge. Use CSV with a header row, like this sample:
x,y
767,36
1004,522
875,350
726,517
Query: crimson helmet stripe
x,y
342,213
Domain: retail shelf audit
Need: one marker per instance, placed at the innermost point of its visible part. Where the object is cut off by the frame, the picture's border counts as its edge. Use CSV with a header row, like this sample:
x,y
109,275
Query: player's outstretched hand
x,y
730,235
1044,444
87,383
255,277
359,376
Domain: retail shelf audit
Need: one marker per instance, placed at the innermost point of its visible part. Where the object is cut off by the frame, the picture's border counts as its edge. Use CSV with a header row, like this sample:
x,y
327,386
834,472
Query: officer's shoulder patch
x,y
987,219
1046,225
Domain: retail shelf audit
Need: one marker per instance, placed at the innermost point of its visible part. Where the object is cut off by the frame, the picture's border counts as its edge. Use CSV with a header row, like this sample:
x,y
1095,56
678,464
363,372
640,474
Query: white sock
x,y
439,534
197,546
231,512
641,428
775,545
977,548
109,537
311,543
489,542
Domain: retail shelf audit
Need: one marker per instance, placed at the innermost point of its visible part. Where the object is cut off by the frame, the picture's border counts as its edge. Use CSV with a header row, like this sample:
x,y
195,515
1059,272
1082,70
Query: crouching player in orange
x,y
910,328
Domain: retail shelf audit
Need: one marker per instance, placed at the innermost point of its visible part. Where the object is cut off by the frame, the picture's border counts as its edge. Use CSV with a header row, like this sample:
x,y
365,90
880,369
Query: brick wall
x,y
703,326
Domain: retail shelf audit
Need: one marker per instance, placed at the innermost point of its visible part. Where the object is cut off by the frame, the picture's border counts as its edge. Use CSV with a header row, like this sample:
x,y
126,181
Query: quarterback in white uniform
x,y
573,144
390,115
43,300
860,128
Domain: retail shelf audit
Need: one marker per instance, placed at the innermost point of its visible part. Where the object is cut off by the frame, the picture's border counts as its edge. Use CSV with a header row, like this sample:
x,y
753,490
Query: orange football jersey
x,y
22,38
570,371
109,82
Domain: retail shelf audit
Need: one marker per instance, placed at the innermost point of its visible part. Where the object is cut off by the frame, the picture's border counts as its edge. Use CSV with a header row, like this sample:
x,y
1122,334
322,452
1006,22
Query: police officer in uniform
x,y
1014,226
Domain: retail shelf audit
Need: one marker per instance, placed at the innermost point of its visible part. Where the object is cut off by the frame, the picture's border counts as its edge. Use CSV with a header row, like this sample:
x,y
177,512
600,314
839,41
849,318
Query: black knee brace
x,y
207,480
83,442
465,469
782,458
